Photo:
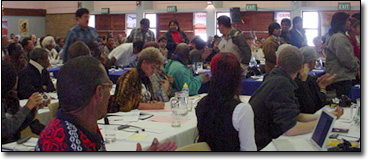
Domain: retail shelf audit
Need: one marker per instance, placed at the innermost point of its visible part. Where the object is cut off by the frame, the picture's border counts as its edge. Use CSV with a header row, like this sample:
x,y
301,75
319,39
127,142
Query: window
x,y
199,25
218,15
91,21
153,22
131,23
310,24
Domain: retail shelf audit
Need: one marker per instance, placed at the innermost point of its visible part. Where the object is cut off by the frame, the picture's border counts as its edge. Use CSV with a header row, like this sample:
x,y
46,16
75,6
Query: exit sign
x,y
105,10
251,7
171,9
344,6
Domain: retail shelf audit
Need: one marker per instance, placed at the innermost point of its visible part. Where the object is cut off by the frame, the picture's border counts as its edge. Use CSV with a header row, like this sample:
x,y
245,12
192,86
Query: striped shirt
x,y
78,33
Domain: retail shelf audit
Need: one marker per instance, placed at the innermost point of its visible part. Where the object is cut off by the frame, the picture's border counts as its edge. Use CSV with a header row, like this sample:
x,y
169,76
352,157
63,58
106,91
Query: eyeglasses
x,y
108,84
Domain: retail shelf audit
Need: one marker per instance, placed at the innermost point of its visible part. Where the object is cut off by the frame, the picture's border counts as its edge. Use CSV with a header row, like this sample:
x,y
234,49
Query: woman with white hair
x,y
48,44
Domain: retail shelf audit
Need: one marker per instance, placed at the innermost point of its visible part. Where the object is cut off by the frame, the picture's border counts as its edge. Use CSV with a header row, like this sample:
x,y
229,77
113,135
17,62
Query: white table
x,y
183,135
301,142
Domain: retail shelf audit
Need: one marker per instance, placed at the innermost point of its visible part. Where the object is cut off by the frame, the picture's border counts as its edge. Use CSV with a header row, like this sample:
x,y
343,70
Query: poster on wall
x,y
281,15
131,20
23,27
4,27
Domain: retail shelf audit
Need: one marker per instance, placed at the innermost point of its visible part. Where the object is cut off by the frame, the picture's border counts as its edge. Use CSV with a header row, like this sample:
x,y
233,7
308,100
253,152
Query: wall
x,y
162,5
59,24
36,24
24,4
56,7
115,5
330,3
260,4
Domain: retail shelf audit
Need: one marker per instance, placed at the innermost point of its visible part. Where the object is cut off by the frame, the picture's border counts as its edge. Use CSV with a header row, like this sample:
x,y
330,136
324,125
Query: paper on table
x,y
154,127
167,119
137,137
31,142
161,110
131,116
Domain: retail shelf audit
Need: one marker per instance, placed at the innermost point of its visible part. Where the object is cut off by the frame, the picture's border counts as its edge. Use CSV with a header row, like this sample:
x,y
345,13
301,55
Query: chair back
x,y
202,146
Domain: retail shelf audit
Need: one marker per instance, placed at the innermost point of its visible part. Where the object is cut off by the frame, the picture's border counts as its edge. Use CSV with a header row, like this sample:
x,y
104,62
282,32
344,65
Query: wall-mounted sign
x,y
171,9
105,10
4,26
251,7
131,20
344,6
281,15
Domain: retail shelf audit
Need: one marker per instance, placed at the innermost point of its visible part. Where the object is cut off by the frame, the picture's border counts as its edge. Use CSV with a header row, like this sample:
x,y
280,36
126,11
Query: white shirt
x,y
37,65
243,122
122,54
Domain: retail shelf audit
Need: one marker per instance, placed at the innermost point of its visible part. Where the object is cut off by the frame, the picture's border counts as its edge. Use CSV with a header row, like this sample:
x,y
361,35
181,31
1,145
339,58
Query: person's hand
x,y
303,73
165,84
158,105
325,80
44,103
205,77
338,112
171,79
34,100
167,146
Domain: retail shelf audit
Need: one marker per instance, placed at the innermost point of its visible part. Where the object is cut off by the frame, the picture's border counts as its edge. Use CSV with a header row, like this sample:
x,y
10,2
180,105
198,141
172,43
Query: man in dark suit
x,y
35,77
298,38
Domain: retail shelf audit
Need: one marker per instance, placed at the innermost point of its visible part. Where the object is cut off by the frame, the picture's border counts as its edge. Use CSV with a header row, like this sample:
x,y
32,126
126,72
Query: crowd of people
x,y
285,103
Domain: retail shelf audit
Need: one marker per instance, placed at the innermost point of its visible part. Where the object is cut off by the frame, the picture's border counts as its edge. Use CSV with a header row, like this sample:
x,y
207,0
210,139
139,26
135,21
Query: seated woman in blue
x,y
224,122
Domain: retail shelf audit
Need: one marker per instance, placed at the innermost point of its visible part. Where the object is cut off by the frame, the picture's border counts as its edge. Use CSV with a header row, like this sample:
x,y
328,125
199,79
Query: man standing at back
x,y
233,41
298,37
81,31
141,34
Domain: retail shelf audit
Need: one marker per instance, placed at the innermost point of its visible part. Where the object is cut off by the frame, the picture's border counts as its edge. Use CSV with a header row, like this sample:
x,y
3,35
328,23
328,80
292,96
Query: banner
x,y
4,27
23,27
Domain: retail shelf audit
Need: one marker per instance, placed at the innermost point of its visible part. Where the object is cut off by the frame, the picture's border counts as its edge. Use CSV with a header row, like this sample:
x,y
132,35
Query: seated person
x,y
134,88
162,41
200,52
176,67
35,77
215,49
224,122
16,57
274,103
15,118
122,55
160,80
83,92
311,92
78,48
49,44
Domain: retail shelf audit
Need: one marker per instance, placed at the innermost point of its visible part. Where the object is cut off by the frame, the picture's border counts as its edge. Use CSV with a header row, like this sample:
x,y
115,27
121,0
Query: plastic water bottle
x,y
185,89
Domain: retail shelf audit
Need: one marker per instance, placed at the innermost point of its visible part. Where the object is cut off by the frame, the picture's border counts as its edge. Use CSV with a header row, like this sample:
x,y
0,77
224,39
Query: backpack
x,y
240,41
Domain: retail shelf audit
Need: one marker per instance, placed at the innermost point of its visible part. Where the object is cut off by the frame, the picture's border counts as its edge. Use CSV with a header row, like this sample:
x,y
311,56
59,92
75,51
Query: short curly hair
x,y
150,55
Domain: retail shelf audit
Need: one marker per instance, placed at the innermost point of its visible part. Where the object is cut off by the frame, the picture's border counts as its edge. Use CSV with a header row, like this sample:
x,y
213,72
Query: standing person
x,y
174,37
271,45
81,31
234,41
354,36
285,30
340,55
298,37
141,34
83,92
224,122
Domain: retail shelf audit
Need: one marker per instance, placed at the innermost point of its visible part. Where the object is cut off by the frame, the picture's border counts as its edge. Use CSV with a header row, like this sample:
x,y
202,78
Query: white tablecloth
x,y
302,143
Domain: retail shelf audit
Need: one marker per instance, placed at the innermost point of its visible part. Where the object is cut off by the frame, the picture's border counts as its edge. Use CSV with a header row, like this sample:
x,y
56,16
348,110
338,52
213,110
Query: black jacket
x,y
171,45
296,38
309,95
275,107
31,81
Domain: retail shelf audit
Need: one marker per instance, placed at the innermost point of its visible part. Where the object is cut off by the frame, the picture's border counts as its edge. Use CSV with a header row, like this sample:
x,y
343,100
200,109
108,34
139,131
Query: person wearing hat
x,y
311,92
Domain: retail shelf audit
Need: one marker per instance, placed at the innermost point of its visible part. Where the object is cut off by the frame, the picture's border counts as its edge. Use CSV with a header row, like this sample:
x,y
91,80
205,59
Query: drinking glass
x,y
110,133
199,66
179,106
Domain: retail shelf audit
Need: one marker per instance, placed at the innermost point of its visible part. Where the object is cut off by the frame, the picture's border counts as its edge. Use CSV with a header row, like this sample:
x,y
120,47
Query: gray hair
x,y
309,54
151,55
290,60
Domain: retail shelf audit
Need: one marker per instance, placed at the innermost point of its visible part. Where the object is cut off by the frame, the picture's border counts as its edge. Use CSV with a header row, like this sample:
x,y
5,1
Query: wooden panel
x,y
256,21
118,22
327,15
103,22
24,12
